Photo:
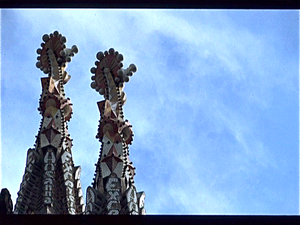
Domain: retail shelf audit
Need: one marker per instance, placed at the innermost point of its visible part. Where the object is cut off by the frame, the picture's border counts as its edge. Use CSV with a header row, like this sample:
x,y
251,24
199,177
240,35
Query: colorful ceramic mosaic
x,y
51,183
113,191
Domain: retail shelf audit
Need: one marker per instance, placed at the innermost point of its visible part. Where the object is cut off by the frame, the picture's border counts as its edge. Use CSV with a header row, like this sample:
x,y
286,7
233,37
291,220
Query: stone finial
x,y
54,56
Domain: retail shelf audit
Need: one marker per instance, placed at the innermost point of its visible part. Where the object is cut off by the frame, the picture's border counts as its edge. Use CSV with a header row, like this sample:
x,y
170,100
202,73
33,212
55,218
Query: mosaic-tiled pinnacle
x,y
51,183
113,190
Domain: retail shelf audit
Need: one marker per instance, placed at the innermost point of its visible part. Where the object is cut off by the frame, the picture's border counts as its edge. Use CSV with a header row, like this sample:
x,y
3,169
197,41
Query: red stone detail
x,y
53,43
109,126
100,81
110,62
44,81
117,138
126,130
111,161
44,105
106,110
50,134
101,105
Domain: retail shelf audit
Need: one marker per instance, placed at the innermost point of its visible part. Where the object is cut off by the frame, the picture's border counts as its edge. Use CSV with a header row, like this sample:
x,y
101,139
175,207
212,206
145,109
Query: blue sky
x,y
214,104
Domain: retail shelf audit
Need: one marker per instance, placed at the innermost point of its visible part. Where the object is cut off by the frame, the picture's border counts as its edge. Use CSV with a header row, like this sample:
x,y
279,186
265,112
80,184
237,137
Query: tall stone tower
x,y
51,183
113,190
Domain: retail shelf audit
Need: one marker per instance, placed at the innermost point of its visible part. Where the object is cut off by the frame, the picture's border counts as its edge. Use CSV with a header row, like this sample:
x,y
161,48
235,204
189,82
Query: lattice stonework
x,y
113,190
51,183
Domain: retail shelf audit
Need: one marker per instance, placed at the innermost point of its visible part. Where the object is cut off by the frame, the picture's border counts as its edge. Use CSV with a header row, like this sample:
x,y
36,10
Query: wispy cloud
x,y
203,89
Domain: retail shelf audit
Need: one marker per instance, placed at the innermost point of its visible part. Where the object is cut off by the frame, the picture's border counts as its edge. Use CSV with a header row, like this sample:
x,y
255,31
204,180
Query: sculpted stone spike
x,y
51,183
113,190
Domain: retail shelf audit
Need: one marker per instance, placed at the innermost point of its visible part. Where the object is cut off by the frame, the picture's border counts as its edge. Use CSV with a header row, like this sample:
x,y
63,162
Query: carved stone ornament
x,y
114,177
51,183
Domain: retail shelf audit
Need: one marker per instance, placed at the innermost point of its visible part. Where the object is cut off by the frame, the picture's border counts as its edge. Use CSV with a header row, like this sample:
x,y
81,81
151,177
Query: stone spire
x,y
51,183
113,190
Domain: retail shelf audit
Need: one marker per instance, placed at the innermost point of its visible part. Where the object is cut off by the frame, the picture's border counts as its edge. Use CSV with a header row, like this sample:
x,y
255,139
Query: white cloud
x,y
193,102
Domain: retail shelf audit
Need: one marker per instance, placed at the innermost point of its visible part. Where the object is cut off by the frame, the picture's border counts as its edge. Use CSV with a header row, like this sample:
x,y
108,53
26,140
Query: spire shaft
x,y
51,183
113,190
